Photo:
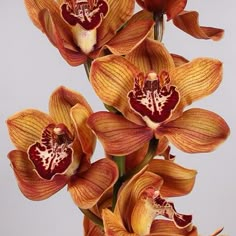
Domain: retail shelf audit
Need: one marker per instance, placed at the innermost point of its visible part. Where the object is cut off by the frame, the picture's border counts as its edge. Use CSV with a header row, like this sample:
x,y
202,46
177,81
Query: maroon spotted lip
x,y
87,15
52,155
150,98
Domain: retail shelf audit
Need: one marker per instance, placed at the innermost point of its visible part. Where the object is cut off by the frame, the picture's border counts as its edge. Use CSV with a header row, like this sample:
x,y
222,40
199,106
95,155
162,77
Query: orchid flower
x,y
150,95
187,21
54,150
84,29
139,206
176,181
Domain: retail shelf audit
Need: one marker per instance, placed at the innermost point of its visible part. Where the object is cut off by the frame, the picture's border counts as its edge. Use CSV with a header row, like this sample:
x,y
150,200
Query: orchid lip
x,y
53,154
153,97
89,14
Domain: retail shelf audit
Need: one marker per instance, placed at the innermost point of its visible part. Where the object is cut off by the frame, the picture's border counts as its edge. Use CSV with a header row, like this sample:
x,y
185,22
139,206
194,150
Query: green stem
x,y
95,219
158,27
87,66
120,161
149,156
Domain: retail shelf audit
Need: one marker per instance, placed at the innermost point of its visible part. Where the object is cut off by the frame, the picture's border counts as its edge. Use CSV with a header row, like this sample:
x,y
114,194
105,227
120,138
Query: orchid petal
x,y
118,135
91,229
168,228
79,115
196,79
88,188
112,77
119,13
113,224
26,127
188,22
151,56
30,184
179,60
178,180
33,8
129,37
61,38
174,7
61,102
196,131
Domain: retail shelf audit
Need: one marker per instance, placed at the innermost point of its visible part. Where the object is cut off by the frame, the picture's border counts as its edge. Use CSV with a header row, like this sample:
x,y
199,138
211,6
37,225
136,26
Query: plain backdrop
x,y
31,68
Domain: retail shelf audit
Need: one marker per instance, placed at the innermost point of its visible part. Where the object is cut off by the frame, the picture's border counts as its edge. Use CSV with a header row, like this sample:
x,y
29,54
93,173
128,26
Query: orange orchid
x,y
177,181
187,21
54,150
139,204
84,29
151,94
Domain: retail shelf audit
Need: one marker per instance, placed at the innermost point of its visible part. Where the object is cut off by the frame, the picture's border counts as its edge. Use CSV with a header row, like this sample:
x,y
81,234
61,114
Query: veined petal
x,y
26,127
188,22
113,224
196,79
142,216
151,55
88,188
61,38
79,115
168,228
118,135
61,102
174,7
33,8
112,77
119,13
196,131
91,229
130,37
178,180
179,60
30,184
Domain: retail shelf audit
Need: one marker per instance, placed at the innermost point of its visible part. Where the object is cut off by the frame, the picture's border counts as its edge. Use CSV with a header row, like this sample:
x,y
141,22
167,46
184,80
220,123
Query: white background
x,y
31,68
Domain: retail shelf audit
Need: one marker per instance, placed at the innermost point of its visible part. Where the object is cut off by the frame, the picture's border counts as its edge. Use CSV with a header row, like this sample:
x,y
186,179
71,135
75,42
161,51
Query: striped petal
x,y
33,8
91,229
79,115
61,38
178,181
118,136
26,127
119,12
196,131
130,36
30,184
61,102
87,189
168,228
112,78
188,22
196,79
151,56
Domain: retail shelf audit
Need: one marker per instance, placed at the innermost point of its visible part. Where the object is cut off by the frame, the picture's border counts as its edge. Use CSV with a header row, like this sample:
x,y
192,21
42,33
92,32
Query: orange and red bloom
x,y
85,29
151,93
54,150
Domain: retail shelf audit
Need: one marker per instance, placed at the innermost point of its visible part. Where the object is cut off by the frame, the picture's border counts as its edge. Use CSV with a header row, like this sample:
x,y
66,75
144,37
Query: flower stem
x,y
87,66
149,156
95,219
120,161
159,26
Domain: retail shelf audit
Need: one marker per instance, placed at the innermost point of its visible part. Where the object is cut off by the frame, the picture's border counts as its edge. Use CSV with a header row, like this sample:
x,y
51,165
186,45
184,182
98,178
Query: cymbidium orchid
x,y
150,95
84,29
187,21
176,181
140,204
54,150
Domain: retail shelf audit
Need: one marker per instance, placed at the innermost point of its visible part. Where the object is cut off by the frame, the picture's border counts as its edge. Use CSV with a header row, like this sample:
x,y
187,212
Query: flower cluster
x,y
145,90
